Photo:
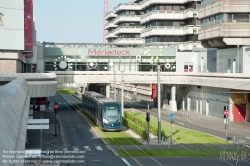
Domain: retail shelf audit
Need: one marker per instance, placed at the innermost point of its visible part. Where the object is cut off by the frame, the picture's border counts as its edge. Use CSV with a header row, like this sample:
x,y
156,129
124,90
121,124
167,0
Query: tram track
x,y
74,104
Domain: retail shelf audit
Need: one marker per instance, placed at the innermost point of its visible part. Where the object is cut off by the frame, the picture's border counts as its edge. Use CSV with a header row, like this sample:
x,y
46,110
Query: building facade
x,y
155,21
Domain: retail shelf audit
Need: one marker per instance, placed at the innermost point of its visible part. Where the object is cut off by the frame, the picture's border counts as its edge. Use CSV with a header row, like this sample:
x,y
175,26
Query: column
x,y
234,66
165,100
172,102
42,107
183,103
108,91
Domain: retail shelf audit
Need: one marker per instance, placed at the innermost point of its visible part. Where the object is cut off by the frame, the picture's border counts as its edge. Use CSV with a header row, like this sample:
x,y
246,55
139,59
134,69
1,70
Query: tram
x,y
105,112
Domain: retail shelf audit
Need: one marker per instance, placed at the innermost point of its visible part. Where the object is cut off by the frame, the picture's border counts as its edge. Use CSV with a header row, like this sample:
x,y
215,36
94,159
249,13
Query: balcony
x,y
189,46
110,15
228,6
225,34
127,6
110,25
110,35
146,3
127,30
227,30
168,15
183,30
129,41
124,18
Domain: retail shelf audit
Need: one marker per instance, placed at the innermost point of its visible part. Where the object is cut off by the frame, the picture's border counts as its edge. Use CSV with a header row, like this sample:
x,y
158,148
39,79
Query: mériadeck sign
x,y
110,51
119,52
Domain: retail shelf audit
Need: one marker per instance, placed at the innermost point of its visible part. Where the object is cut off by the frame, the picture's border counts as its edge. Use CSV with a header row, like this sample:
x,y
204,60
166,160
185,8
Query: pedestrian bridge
x,y
218,80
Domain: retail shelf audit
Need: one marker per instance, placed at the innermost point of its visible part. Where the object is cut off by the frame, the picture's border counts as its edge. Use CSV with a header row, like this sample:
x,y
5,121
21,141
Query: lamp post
x,y
159,102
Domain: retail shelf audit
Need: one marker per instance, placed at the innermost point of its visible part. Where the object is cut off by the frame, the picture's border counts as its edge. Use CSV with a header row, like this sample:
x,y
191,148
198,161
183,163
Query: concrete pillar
x,y
201,106
234,66
165,100
197,105
172,102
108,91
42,107
183,103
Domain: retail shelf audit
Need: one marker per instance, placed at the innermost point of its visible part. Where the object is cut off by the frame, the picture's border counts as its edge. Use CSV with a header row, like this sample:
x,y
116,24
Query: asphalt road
x,y
79,136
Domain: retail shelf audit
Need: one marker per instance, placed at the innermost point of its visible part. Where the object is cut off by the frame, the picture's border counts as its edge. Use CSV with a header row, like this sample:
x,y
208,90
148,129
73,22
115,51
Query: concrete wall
x,y
202,95
14,106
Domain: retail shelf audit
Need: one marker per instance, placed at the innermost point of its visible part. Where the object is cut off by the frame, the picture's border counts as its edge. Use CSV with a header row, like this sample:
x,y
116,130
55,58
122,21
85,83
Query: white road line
x,y
125,161
87,148
181,123
248,137
75,148
98,147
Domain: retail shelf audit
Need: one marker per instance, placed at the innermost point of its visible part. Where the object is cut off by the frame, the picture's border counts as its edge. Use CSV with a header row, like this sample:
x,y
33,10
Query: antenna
x,y
105,11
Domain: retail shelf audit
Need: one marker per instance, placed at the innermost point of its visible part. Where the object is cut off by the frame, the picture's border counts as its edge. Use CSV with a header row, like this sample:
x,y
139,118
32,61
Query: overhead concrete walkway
x,y
217,80
14,110
14,107
40,84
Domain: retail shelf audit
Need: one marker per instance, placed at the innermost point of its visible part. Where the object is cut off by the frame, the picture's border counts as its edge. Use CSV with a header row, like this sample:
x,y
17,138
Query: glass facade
x,y
56,59
210,21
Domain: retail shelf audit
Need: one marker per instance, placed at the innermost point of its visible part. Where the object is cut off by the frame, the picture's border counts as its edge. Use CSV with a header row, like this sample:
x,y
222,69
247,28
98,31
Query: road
x,y
79,136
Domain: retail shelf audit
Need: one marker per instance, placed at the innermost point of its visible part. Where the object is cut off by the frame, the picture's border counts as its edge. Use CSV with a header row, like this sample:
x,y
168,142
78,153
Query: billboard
x,y
11,25
28,28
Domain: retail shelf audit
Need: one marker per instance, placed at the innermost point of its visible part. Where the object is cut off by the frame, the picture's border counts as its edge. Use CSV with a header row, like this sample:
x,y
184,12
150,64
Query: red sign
x,y
226,112
28,26
56,106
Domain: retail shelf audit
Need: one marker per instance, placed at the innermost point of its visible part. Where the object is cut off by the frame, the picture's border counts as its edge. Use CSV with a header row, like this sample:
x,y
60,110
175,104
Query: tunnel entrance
x,y
95,88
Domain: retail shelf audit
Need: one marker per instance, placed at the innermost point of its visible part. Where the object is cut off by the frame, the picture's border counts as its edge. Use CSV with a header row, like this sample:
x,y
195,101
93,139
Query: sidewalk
x,y
50,141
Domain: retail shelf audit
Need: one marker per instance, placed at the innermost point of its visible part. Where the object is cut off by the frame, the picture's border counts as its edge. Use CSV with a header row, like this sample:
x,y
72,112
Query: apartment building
x,y
124,24
155,21
225,23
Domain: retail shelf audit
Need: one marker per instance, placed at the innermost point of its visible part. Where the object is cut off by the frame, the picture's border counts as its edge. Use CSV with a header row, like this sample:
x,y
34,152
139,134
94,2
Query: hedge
x,y
137,129
143,124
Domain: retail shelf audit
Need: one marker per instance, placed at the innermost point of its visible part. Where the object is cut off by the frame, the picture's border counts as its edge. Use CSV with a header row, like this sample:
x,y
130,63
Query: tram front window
x,y
111,114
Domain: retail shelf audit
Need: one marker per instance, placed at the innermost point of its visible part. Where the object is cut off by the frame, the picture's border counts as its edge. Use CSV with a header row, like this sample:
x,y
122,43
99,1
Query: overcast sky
x,y
78,21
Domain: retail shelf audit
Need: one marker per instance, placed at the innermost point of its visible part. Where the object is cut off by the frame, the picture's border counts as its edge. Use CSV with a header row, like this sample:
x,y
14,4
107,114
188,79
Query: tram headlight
x,y
105,120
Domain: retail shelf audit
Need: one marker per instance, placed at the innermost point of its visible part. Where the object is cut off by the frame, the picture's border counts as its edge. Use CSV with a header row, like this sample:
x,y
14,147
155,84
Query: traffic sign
x,y
171,115
226,112
56,106
225,121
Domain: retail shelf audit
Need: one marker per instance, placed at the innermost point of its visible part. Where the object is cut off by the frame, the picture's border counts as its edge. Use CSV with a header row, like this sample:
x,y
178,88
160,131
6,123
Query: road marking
x,y
75,148
87,148
98,147
181,123
65,149
125,161
248,137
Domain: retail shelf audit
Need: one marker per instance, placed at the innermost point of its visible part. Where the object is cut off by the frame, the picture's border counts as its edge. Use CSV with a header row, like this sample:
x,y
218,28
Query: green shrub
x,y
133,126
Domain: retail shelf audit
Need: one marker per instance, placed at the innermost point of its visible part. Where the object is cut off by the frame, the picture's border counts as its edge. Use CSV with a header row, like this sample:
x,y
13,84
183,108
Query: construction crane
x,y
105,11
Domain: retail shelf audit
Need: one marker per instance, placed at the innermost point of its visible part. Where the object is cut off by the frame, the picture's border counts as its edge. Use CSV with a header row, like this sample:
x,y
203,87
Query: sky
x,y
67,21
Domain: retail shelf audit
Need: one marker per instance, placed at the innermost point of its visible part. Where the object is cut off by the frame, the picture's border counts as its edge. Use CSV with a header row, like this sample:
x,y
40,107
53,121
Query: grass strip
x,y
66,91
180,134
176,152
